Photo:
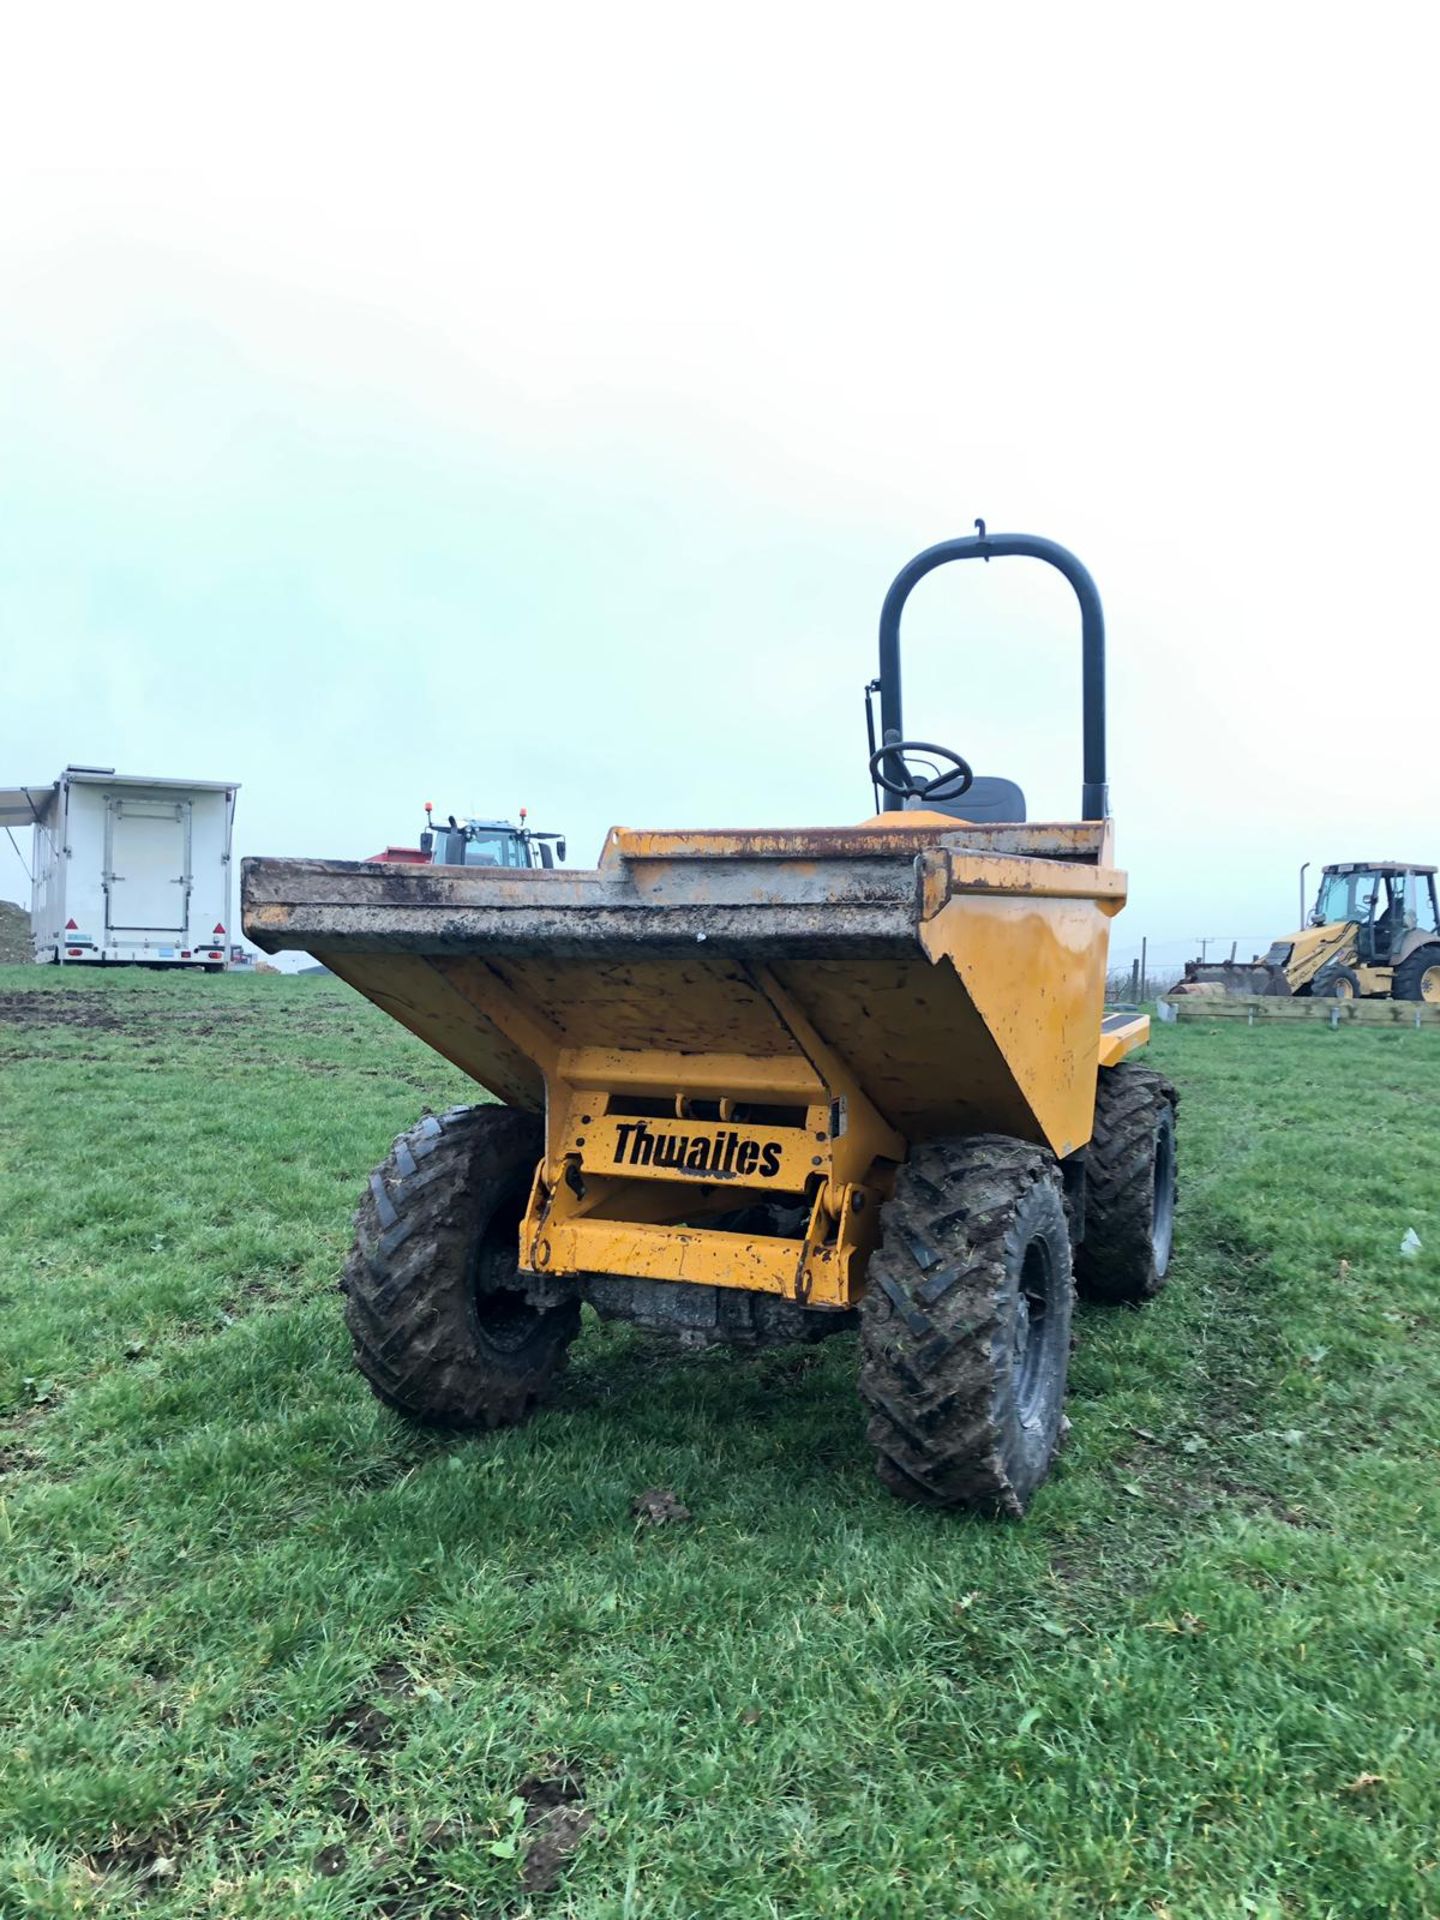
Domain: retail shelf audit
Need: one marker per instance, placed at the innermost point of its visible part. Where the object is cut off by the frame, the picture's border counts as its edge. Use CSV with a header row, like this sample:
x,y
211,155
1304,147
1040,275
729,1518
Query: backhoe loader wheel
x,y
965,1325
1418,977
443,1327
1130,1168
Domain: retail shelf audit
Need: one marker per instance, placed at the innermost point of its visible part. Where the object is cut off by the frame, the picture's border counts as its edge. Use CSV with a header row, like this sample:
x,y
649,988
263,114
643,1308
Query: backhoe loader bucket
x,y
1219,978
749,1083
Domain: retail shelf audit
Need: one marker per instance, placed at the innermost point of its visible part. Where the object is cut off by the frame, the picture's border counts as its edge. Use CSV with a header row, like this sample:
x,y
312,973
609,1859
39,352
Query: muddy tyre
x,y
442,1325
1130,1179
1418,977
965,1325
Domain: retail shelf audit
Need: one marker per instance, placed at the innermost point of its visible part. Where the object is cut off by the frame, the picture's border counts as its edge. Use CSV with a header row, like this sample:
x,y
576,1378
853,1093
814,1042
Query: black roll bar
x,y
1095,798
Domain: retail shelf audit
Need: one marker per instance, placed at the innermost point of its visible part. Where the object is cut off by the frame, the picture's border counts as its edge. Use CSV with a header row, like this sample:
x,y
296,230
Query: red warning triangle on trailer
x,y
71,927
218,927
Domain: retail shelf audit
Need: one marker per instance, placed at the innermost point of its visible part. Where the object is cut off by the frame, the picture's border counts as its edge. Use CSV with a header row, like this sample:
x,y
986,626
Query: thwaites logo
x,y
720,1156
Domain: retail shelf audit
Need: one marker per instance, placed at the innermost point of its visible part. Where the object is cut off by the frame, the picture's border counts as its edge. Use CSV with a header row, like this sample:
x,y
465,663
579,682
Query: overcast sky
x,y
505,406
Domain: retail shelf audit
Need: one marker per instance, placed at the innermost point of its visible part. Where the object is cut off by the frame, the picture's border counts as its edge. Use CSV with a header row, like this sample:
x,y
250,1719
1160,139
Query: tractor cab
x,y
488,843
477,843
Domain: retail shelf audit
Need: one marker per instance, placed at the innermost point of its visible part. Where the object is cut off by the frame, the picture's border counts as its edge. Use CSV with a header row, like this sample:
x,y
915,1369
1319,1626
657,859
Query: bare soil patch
x,y
50,1009
556,1821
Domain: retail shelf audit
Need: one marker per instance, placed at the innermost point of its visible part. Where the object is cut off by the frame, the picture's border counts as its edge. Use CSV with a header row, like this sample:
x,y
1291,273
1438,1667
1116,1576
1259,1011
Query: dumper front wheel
x,y
445,1327
965,1325
1130,1169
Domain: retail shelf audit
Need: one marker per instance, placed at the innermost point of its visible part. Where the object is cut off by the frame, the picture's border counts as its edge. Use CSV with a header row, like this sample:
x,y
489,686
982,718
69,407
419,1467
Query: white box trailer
x,y
128,870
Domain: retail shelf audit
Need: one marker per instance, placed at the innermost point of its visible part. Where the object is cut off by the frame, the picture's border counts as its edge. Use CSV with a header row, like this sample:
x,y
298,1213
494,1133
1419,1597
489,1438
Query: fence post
x,y
1144,993
1135,980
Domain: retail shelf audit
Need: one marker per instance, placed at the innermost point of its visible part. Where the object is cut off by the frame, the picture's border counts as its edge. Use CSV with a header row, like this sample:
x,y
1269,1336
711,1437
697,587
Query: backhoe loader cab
x,y
1384,899
765,1085
1380,921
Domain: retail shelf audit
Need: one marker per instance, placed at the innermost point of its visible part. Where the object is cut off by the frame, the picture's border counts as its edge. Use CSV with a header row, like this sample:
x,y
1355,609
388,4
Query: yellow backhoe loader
x,y
766,1085
1373,933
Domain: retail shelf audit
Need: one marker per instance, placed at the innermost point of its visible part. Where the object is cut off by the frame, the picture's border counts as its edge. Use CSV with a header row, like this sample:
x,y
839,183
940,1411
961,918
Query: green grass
x,y
267,1651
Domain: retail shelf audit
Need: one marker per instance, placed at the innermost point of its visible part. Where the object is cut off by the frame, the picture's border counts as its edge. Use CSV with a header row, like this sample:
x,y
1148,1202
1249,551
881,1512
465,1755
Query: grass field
x,y
267,1651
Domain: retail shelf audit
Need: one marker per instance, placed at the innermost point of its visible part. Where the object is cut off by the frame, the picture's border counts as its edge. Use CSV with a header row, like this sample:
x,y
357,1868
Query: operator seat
x,y
1388,931
988,799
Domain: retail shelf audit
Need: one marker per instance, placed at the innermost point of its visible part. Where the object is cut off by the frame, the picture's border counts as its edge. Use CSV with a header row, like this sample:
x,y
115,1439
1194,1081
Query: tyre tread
x,y
1405,985
1115,1260
930,1317
406,1280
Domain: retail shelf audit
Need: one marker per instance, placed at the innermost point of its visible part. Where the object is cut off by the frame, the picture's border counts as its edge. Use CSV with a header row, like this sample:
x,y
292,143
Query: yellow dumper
x,y
757,1086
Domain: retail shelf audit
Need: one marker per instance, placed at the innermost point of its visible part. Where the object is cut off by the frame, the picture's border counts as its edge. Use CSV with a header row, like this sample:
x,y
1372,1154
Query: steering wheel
x,y
948,784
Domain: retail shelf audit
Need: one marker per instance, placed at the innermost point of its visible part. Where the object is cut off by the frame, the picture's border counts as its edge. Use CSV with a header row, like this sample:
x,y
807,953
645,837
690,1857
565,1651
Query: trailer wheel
x,y
444,1326
965,1325
1130,1181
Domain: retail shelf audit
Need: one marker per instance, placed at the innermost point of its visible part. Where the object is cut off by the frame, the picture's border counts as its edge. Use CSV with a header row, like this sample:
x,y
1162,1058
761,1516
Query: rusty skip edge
x,y
653,884
1085,841
359,905
870,932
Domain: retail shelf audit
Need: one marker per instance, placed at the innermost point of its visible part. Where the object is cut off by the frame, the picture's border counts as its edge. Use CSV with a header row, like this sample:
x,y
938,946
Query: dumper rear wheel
x,y
445,1327
1130,1167
965,1325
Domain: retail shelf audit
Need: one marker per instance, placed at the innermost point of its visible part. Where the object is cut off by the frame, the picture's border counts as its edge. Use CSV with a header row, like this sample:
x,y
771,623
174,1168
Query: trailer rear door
x,y
147,865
